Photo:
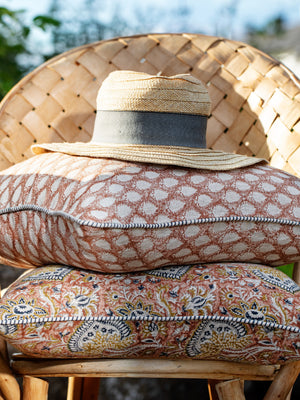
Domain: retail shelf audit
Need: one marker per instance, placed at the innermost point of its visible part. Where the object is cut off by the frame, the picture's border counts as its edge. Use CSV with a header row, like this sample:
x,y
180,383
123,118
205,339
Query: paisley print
x,y
218,311
21,308
211,337
115,216
254,312
96,336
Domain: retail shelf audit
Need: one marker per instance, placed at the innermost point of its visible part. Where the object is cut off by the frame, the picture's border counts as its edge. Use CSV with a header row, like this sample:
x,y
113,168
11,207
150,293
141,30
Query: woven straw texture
x,y
132,91
255,99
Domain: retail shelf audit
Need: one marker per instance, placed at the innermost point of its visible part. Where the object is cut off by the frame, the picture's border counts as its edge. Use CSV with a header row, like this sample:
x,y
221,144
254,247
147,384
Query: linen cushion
x,y
115,216
239,312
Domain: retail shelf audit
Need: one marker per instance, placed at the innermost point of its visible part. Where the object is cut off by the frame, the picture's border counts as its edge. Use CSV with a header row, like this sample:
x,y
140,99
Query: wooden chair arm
x,y
9,387
3,346
283,382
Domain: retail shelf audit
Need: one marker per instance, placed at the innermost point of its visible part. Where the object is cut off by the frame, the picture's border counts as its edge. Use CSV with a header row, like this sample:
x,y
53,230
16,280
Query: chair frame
x,y
254,98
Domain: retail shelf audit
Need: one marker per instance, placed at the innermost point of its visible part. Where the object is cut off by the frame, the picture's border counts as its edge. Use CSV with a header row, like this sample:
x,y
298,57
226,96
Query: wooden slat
x,y
17,108
284,140
248,77
266,118
225,113
217,129
241,127
143,368
173,46
254,140
206,68
94,64
108,49
265,89
238,94
204,42
221,51
46,79
140,47
237,64
190,54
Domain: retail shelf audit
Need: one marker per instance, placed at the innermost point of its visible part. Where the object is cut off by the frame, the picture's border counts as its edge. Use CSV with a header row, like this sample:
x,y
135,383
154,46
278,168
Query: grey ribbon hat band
x,y
150,128
153,119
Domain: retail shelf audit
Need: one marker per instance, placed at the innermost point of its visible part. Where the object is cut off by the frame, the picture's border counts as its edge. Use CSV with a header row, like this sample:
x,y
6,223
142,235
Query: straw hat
x,y
154,119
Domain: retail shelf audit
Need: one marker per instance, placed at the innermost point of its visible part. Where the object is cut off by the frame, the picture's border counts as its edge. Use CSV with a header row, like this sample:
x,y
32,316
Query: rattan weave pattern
x,y
255,99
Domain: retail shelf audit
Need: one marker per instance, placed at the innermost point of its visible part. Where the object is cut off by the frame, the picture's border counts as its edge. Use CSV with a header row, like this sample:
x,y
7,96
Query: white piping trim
x,y
171,224
271,325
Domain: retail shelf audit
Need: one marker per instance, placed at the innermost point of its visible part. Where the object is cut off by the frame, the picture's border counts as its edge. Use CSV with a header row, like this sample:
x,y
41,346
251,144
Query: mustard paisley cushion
x,y
117,216
240,312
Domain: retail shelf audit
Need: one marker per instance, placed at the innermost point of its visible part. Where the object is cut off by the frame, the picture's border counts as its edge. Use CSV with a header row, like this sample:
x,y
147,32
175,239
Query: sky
x,y
227,18
206,16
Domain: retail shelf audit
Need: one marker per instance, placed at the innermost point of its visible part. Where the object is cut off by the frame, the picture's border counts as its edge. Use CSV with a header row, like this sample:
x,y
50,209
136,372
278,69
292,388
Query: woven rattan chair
x,y
256,111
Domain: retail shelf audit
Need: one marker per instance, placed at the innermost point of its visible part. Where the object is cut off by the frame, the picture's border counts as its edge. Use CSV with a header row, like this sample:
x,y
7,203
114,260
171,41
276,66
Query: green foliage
x,y
287,269
12,42
44,22
14,34
68,27
67,30
276,27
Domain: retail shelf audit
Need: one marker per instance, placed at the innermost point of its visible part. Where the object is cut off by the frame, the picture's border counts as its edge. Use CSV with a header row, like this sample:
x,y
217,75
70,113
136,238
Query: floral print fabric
x,y
116,216
235,311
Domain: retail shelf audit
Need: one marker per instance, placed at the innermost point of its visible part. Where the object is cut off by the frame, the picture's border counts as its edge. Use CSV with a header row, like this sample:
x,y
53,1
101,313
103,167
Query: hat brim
x,y
214,160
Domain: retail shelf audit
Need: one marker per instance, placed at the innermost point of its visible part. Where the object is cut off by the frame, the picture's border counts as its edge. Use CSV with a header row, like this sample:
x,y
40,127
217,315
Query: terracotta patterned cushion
x,y
241,312
113,216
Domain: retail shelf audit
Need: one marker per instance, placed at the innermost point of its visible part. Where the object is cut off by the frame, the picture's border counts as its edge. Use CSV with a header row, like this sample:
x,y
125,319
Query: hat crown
x,y
135,91
154,119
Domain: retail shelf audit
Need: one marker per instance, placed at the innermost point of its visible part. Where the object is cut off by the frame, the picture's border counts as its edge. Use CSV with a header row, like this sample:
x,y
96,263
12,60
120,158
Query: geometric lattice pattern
x,y
115,216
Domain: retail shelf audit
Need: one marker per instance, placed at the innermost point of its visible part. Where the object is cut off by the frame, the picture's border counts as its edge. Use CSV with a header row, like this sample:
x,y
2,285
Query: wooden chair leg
x,y
212,391
230,390
35,388
283,382
288,397
83,388
74,388
3,351
9,386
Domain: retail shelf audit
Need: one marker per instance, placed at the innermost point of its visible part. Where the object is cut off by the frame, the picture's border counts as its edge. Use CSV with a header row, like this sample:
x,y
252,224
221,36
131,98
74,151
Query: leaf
x,y
43,22
287,269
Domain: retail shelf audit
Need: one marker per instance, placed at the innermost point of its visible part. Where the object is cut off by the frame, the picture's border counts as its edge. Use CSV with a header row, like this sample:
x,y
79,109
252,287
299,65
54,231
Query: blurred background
x,y
33,31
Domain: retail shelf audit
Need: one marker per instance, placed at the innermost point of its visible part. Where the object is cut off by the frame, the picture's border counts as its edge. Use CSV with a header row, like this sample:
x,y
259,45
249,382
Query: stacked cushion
x,y
116,216
111,229
237,311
